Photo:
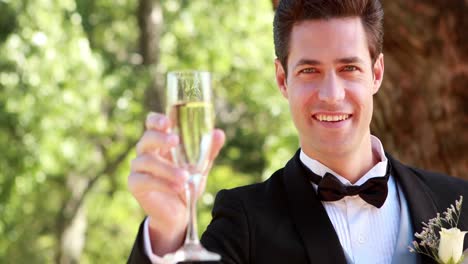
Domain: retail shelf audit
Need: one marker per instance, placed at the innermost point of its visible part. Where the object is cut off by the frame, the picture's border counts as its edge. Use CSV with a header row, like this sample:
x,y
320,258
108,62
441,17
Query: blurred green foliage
x,y
72,107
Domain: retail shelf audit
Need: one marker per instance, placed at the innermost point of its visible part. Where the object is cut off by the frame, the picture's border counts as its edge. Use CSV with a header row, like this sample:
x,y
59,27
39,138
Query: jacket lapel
x,y
309,216
315,228
420,203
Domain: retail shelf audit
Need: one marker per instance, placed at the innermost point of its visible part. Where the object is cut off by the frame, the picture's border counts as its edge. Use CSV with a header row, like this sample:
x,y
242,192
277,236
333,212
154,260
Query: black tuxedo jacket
x,y
282,221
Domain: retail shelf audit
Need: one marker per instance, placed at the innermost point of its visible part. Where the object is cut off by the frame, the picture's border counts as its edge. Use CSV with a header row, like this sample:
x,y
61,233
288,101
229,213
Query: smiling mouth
x,y
331,118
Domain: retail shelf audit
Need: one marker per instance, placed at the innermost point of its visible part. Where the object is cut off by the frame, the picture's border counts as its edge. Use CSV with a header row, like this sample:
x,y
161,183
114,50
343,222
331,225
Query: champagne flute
x,y
189,106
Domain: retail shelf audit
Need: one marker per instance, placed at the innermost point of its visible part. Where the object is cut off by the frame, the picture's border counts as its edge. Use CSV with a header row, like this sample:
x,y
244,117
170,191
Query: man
x,y
329,66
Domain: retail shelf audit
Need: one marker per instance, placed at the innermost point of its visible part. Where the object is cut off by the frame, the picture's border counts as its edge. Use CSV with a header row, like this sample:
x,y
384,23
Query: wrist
x,y
164,240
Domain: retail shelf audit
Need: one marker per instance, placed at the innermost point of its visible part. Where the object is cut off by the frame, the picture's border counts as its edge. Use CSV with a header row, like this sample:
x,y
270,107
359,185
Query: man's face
x,y
330,86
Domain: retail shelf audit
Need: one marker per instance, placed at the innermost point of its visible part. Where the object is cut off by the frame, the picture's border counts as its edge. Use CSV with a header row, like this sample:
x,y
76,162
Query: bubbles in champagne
x,y
193,122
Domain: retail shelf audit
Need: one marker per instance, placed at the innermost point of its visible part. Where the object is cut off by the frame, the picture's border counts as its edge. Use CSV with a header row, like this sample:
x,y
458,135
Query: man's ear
x,y
281,78
378,73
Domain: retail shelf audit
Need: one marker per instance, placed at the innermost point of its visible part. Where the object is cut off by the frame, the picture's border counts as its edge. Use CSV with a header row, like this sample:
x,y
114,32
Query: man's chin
x,y
334,148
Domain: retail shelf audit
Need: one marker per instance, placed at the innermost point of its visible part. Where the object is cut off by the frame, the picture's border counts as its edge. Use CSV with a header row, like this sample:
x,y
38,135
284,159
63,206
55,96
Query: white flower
x,y
451,245
445,248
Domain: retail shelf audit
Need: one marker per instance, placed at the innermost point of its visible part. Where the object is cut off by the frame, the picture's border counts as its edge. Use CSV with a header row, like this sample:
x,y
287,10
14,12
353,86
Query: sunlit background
x,y
77,79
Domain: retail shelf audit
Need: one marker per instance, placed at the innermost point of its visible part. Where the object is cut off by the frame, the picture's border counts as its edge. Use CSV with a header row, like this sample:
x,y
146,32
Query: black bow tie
x,y
374,191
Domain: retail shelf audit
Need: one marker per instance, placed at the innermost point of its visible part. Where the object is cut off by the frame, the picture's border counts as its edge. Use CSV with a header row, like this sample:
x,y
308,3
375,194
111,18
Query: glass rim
x,y
187,72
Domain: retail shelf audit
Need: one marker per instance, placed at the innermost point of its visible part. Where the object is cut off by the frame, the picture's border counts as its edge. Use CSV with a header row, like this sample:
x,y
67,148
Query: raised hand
x,y
158,184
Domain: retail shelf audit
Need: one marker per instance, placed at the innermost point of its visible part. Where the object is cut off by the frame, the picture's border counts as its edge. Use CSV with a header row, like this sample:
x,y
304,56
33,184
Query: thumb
x,y
217,143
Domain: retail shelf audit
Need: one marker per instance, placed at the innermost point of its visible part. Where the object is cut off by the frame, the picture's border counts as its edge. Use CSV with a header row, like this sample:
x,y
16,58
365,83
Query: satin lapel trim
x,y
310,218
420,203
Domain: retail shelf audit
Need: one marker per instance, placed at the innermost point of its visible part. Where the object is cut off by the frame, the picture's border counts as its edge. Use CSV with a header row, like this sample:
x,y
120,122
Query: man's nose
x,y
331,89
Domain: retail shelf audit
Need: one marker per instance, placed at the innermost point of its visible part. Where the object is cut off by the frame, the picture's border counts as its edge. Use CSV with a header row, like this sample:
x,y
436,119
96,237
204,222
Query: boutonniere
x,y
440,237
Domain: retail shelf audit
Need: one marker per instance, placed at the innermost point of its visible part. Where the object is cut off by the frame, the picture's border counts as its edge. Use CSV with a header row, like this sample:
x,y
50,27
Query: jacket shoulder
x,y
255,193
438,183
444,189
441,182
234,216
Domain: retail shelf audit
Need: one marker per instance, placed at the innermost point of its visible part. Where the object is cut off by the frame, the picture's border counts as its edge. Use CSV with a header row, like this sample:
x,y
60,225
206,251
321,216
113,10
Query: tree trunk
x,y
150,22
421,112
71,222
73,238
72,219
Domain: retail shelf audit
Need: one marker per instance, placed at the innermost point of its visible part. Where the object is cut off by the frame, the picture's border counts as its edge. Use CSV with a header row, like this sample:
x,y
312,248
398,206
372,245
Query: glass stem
x,y
191,237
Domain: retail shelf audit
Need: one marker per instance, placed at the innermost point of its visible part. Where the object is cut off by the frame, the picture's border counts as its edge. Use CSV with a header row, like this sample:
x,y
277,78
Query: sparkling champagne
x,y
188,102
193,122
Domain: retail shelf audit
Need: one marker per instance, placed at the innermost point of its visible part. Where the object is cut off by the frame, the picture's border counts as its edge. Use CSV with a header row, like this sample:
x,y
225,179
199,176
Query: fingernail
x,y
173,139
161,122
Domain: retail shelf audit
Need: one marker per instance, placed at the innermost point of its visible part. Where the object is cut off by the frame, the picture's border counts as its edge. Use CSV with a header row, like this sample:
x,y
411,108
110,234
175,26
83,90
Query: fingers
x,y
140,183
157,121
155,140
152,170
160,169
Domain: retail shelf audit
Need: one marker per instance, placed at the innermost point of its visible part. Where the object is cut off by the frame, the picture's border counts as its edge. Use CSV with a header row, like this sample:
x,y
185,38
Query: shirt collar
x,y
378,170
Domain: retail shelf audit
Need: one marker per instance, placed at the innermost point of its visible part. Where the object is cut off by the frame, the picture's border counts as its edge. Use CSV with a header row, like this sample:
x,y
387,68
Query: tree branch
x,y
109,169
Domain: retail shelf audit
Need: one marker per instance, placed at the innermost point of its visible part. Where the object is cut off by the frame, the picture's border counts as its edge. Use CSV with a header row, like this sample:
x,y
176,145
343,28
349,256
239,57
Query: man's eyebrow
x,y
307,62
349,60
346,60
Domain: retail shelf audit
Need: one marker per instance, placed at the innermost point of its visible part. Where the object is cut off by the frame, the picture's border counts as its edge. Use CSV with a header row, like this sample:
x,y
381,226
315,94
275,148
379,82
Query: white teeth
x,y
332,118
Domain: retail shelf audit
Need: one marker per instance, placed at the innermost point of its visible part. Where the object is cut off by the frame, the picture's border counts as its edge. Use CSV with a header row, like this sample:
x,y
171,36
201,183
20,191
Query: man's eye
x,y
309,70
350,68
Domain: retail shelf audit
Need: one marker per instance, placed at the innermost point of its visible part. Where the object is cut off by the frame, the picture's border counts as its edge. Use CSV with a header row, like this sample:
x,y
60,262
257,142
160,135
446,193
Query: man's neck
x,y
352,165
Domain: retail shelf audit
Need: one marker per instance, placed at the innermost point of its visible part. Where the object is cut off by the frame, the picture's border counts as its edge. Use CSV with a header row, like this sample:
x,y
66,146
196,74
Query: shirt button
x,y
361,239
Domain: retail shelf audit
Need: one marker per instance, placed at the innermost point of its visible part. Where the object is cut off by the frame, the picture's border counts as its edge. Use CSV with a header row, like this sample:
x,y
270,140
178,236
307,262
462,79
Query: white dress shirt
x,y
147,243
366,233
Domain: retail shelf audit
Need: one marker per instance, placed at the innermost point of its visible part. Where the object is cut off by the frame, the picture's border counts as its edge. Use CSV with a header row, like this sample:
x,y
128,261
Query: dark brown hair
x,y
291,12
